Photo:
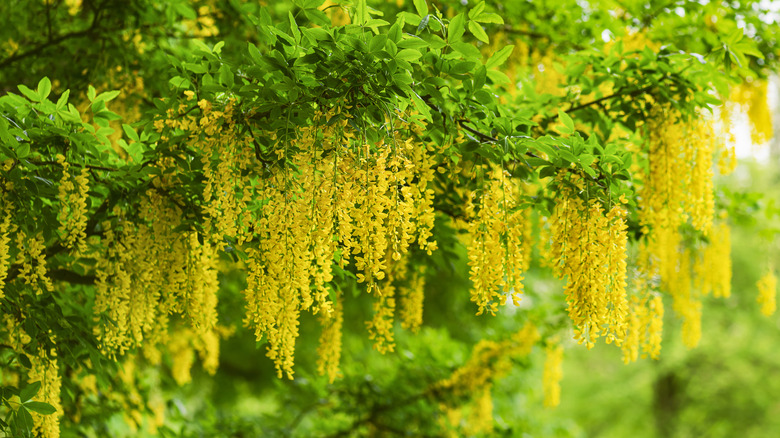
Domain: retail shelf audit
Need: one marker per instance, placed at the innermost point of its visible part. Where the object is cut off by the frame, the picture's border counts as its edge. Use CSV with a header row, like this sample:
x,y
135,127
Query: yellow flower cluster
x,y
148,270
182,345
589,248
45,369
72,214
225,157
552,375
412,296
33,260
752,98
767,293
73,6
645,325
336,198
329,350
489,361
679,177
686,300
713,268
6,226
679,187
496,248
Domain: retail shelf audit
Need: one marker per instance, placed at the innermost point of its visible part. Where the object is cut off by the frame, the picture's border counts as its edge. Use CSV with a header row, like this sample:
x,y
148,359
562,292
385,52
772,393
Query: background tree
x,y
351,183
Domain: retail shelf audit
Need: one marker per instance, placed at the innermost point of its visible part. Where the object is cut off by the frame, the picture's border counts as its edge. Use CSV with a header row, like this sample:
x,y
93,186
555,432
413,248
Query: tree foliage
x,y
184,174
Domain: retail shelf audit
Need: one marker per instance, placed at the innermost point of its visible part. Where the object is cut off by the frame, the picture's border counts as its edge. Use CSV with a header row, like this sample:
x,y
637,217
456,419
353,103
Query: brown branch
x,y
618,93
51,42
71,277
57,163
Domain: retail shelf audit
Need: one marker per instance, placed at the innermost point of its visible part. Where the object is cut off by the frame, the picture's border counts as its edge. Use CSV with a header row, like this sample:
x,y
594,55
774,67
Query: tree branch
x,y
51,42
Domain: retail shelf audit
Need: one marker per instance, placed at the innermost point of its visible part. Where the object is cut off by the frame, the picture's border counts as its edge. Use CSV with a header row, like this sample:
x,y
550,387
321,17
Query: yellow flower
x,y
767,293
552,375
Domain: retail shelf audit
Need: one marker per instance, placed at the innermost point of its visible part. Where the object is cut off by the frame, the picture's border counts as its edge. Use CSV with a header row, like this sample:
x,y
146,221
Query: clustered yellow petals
x,y
412,296
32,257
489,361
6,210
678,190
713,267
337,199
552,375
45,369
767,293
589,249
329,350
72,214
496,247
645,323
752,98
148,270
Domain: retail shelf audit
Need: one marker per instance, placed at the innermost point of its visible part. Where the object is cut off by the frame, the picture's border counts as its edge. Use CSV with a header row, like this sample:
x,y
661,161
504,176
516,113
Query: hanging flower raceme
x,y
72,214
45,369
589,249
6,226
713,267
32,258
489,361
751,97
645,318
329,349
495,248
552,374
767,293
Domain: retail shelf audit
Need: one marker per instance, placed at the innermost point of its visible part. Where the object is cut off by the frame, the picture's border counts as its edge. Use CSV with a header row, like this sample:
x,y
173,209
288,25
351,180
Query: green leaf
x,y
107,96
456,28
294,27
412,42
479,77
28,93
63,100
195,67
24,420
91,93
498,77
547,171
467,50
317,33
423,23
500,57
476,10
408,55
24,361
44,88
29,391
40,407
130,132
421,6
361,13
567,122
478,32
377,43
489,17
22,150
226,76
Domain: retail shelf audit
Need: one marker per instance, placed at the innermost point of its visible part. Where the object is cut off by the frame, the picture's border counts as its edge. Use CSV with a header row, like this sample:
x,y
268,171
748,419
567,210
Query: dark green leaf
x,y
40,407
29,391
